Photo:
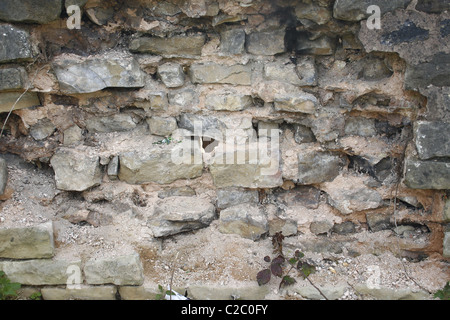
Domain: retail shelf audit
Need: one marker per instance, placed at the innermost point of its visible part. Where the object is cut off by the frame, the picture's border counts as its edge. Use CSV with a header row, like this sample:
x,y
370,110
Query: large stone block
x,y
351,10
34,242
228,197
8,100
303,73
81,293
232,41
228,101
436,71
427,174
432,139
77,75
211,72
12,78
301,102
246,220
171,74
317,167
75,170
32,11
269,42
180,214
176,46
120,270
16,45
113,123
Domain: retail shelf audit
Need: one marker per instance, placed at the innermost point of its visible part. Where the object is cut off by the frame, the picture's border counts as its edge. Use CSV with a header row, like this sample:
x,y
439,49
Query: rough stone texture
x,y
384,293
171,74
332,292
435,71
156,164
305,196
3,175
203,125
320,227
116,122
243,292
180,214
446,214
42,129
120,270
313,12
246,220
302,102
269,42
28,242
215,73
12,78
350,10
378,222
72,135
39,272
288,227
317,167
432,139
446,245
31,11
432,6
228,197
303,73
303,134
427,174
143,292
162,126
228,101
82,293
176,46
16,45
77,75
75,171
8,100
323,46
360,127
232,41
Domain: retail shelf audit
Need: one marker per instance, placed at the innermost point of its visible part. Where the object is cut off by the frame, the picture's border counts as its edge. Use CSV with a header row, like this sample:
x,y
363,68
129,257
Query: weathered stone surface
x,y
9,99
72,135
156,164
162,126
301,102
82,293
349,194
177,192
215,73
204,125
447,211
221,292
446,245
378,222
12,78
406,33
323,46
171,74
306,196
120,270
32,11
435,71
317,167
16,45
40,271
313,12
176,46
268,42
228,197
427,174
75,171
246,220
224,18
113,168
432,139
153,101
346,227
350,10
34,242
232,41
100,15
116,122
228,101
320,227
3,175
360,126
384,293
303,73
42,129
432,6
143,292
287,226
332,292
322,245
303,134
76,75
328,126
185,99
180,214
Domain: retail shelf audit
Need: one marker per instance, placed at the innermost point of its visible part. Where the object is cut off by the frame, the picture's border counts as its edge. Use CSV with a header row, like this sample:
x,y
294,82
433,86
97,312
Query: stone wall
x,y
157,125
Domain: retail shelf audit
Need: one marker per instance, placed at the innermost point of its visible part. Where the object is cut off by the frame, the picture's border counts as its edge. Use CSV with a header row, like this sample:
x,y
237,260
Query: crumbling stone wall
x,y
259,116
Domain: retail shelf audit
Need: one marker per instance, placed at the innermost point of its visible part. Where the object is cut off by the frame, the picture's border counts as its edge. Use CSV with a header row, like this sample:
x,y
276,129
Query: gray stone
x,y
306,71
303,73
287,226
350,10
154,101
94,74
384,293
346,227
228,101
12,78
432,139
80,3
8,100
3,175
34,242
305,196
317,167
328,126
435,71
432,6
204,125
320,227
38,272
186,99
120,270
180,214
232,41
116,122
176,46
265,128
300,102
162,126
246,220
331,292
323,46
166,9
31,11
113,168
313,12
446,245
303,134
81,293
16,45
221,292
177,192
161,164
143,292
171,74
75,170
269,42
354,199
360,127
42,129
228,197
378,222
447,211
322,245
211,72
406,33
72,135
100,15
427,174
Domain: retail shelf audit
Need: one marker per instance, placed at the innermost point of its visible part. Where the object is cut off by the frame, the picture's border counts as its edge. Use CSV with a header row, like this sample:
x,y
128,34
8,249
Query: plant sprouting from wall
x,y
8,289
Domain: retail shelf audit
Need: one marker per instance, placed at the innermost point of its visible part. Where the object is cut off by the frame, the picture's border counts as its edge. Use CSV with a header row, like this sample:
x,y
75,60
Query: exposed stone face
x,y
16,45
246,220
10,99
180,214
75,171
162,126
228,101
3,175
215,73
12,78
176,46
427,174
317,167
28,242
432,6
42,129
171,74
268,42
82,293
228,197
432,139
94,74
303,73
323,46
313,12
116,122
349,10
435,71
121,270
232,41
302,102
31,11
